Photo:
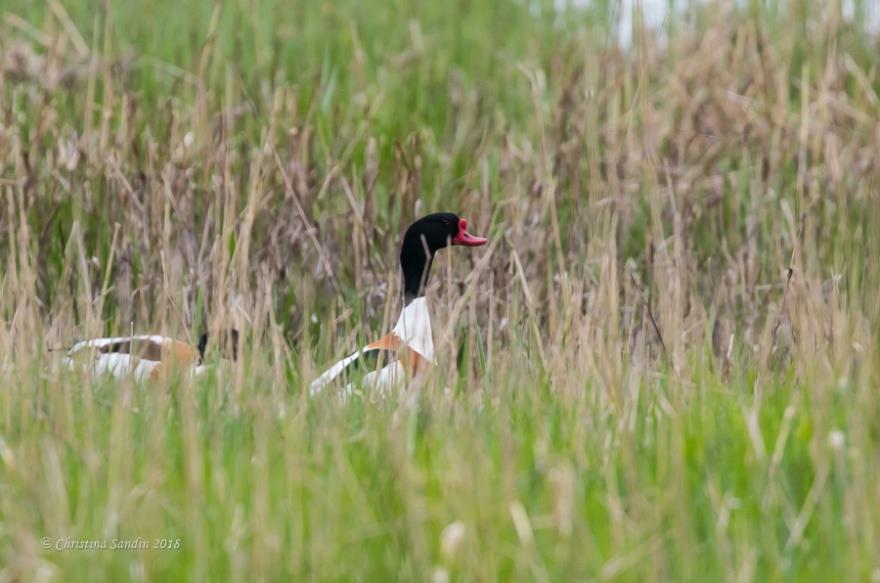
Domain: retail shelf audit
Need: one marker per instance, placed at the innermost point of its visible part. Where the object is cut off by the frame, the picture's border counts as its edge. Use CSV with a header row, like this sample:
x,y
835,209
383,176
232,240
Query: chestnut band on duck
x,y
409,348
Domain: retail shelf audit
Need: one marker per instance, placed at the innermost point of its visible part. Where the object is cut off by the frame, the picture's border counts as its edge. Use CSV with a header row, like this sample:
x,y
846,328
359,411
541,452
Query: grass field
x,y
664,367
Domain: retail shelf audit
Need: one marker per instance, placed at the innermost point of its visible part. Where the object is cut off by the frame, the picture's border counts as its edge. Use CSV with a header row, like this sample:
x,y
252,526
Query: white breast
x,y
414,328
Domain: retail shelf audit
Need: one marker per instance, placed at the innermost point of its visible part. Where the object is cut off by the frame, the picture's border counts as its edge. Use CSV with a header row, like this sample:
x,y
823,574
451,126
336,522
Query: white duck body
x,y
412,343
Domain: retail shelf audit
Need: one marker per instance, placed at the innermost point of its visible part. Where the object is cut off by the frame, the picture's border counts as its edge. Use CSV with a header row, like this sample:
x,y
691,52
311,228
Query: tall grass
x,y
663,367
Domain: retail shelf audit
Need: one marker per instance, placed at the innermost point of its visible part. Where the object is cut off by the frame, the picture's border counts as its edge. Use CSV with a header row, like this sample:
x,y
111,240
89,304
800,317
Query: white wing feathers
x,y
332,373
101,342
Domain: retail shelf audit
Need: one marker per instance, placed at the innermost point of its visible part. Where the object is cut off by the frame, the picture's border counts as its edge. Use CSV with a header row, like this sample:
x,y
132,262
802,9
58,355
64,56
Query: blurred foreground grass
x,y
664,368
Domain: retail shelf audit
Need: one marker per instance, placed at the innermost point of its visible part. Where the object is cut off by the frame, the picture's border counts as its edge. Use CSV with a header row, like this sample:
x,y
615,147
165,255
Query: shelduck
x,y
147,357
408,349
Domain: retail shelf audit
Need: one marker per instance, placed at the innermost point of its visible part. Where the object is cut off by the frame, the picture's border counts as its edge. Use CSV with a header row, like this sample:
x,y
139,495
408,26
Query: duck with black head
x,y
148,356
405,352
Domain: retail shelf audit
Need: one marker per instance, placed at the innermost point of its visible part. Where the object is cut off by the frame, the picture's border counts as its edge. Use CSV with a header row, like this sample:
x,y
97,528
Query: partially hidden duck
x,y
148,357
405,352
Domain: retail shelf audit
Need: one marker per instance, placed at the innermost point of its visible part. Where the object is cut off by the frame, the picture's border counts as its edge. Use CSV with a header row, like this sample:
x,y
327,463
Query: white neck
x,y
414,328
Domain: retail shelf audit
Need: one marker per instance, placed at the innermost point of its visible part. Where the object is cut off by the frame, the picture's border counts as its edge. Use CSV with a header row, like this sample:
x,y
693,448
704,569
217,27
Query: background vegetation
x,y
664,366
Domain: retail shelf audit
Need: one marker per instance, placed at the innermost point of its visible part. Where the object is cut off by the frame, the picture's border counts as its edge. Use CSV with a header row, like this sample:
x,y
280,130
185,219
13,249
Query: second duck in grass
x,y
148,357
